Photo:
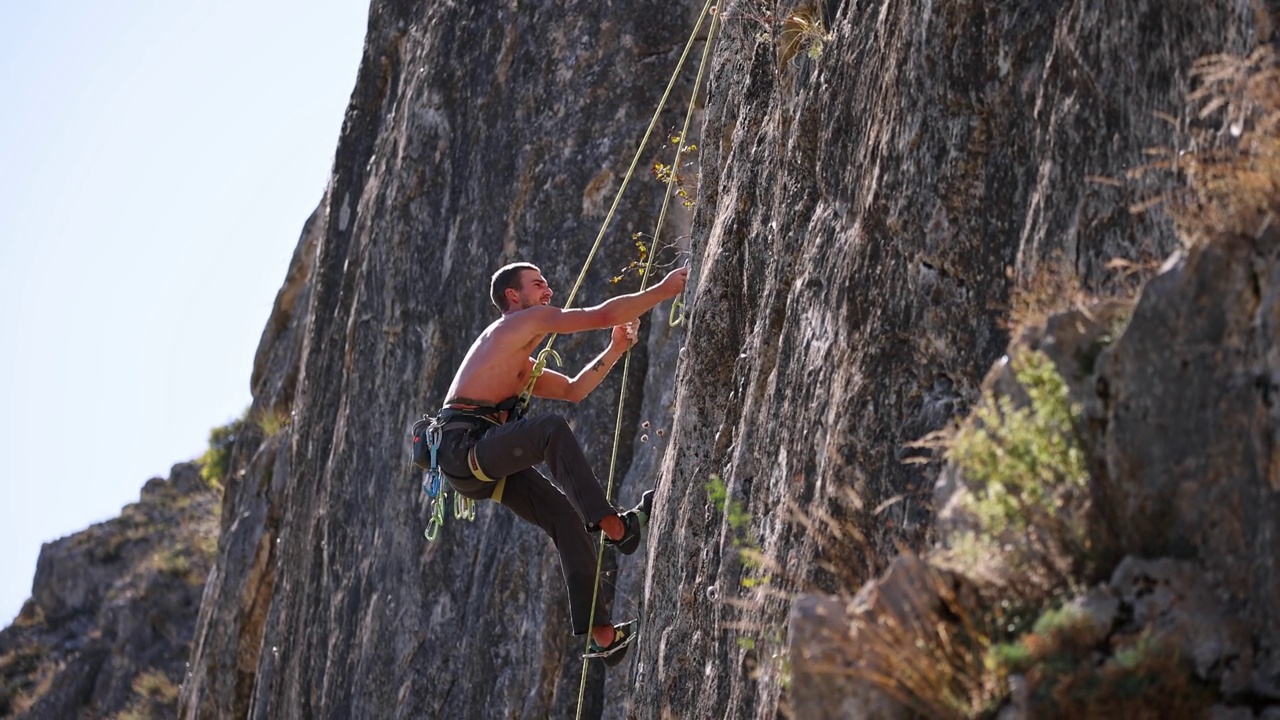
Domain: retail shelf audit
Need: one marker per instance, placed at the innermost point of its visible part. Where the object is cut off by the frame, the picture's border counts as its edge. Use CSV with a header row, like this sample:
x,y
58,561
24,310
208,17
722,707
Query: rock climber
x,y
486,453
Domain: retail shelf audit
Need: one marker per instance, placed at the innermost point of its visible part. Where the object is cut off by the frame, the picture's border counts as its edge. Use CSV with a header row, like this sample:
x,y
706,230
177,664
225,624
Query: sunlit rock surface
x,y
864,210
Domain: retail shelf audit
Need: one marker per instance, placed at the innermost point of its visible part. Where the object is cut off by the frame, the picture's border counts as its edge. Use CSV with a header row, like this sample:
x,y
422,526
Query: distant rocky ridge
x,y
107,631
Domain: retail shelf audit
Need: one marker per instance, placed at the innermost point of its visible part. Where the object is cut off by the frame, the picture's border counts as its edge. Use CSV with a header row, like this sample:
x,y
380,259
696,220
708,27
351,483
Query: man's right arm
x,y
614,311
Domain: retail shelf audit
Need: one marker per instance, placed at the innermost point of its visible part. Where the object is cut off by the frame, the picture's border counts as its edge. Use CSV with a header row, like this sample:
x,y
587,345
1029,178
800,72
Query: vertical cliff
x,y
477,134
866,219
869,208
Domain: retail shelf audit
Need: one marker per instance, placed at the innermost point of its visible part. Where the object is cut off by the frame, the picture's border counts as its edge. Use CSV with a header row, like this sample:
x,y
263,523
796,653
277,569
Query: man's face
x,y
533,290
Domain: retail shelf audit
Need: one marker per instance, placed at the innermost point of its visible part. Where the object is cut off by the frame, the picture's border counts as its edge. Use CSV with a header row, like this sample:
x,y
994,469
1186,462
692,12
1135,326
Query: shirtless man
x,y
486,457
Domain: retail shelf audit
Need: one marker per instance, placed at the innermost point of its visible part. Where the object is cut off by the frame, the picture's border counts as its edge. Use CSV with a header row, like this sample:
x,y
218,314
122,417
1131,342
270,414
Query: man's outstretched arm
x,y
610,313
554,386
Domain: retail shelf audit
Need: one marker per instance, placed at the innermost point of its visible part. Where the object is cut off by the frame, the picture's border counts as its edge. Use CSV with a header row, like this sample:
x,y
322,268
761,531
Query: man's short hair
x,y
507,277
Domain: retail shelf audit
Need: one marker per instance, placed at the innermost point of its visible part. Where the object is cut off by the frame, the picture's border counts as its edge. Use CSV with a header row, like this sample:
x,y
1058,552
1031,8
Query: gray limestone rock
x,y
863,216
1171,600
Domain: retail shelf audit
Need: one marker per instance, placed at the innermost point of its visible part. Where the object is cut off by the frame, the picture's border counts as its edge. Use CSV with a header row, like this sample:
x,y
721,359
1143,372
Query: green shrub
x,y
1026,485
216,461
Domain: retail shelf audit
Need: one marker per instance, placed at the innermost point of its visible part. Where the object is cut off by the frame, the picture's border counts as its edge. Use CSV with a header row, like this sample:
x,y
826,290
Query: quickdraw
x,y
428,431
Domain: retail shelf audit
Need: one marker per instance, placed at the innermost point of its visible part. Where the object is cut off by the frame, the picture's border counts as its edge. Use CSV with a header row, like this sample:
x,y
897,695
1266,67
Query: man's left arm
x,y
553,385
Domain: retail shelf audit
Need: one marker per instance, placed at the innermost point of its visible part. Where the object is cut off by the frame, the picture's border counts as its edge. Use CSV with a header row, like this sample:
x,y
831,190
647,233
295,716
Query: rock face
x,y
866,210
866,216
108,627
1190,442
478,134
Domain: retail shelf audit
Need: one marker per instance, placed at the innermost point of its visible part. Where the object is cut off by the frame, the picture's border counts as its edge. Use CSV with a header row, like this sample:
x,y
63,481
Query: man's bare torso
x,y
497,365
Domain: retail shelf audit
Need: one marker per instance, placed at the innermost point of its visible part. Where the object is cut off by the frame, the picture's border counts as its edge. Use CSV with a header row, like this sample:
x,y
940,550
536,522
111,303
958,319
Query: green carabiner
x,y
436,521
464,508
677,305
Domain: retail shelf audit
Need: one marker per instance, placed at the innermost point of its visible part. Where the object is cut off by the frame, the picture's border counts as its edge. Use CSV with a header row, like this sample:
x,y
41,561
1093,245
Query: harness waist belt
x,y
458,417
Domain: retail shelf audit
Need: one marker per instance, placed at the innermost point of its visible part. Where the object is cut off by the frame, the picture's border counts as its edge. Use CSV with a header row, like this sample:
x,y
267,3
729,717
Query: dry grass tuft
x,y
1230,155
843,554
931,652
155,695
800,29
1054,287
803,30
155,685
272,420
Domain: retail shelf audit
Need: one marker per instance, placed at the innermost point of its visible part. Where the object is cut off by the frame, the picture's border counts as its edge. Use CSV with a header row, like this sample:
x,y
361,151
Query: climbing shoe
x,y
634,521
623,636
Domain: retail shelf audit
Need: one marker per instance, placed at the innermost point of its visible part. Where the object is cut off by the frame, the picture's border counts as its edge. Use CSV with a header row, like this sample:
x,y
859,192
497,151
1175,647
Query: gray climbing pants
x,y
507,454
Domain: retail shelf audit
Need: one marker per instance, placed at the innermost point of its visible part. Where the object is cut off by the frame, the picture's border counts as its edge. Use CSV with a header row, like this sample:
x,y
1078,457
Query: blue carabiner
x,y
431,482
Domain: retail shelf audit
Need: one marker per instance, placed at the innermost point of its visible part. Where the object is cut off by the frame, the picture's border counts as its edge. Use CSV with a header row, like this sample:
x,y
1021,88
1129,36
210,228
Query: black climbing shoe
x,y
623,636
630,539
633,521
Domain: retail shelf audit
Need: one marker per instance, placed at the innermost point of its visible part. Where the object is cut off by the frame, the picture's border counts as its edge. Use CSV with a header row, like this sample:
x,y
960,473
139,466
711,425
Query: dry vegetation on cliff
x,y
1228,152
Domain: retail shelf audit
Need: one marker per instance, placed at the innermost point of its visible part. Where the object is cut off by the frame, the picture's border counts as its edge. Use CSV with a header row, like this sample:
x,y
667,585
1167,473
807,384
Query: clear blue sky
x,y
157,161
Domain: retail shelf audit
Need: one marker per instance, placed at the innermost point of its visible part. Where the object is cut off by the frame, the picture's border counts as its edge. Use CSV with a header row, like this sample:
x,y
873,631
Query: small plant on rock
x,y
676,174
272,420
215,463
802,29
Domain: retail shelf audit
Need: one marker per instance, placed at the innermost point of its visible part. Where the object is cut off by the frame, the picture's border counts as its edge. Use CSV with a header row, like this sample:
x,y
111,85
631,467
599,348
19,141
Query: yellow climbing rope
x,y
644,280
541,362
